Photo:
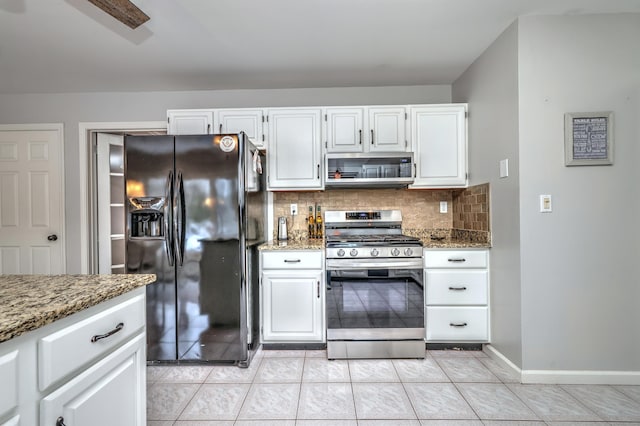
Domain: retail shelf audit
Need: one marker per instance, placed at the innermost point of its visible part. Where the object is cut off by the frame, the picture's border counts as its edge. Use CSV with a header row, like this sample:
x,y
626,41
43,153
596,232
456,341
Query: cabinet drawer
x,y
292,259
8,382
456,287
69,349
455,259
456,323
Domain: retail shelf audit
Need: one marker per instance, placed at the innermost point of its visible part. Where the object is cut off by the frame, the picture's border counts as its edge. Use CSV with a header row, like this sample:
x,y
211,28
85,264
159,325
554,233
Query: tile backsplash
x,y
420,208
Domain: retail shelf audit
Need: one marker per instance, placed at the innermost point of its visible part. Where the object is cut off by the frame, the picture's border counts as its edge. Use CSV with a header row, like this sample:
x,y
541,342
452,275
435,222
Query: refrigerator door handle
x,y
180,221
168,229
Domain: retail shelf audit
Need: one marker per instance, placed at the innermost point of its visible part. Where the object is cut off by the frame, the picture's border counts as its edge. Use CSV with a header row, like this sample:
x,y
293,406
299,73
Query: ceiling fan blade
x,y
124,11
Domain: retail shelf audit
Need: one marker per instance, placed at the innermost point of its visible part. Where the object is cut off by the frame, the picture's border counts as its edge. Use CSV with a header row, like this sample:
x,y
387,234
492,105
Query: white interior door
x,y
31,202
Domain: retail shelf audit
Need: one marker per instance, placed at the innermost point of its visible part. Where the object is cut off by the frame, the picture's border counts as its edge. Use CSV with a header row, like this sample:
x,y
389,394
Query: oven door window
x,y
375,298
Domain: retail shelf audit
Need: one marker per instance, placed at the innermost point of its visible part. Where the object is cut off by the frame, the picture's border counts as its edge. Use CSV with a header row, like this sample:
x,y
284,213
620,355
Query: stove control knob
x,y
340,253
408,252
353,252
375,252
395,252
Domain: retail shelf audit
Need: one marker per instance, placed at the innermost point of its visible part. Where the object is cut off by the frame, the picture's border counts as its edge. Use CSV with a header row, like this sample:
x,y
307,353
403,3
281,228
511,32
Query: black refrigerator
x,y
195,215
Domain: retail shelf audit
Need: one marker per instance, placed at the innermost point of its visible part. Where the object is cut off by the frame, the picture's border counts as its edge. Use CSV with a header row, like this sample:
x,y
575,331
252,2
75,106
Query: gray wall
x,y
71,109
579,264
490,86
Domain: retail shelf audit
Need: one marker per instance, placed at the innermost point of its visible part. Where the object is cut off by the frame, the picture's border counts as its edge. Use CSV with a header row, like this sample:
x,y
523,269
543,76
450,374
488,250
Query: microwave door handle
x,y
168,220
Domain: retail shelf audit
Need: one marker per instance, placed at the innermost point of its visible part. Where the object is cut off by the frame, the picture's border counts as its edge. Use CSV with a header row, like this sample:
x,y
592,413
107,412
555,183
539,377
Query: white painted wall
x,y
74,108
579,264
566,278
490,86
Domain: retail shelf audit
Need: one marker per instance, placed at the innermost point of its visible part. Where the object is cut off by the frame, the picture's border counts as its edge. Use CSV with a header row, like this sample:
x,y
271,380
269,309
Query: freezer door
x,y
149,175
209,259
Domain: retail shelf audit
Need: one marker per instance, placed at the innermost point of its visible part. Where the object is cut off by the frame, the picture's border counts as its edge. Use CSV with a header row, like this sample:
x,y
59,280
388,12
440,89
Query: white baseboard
x,y
566,377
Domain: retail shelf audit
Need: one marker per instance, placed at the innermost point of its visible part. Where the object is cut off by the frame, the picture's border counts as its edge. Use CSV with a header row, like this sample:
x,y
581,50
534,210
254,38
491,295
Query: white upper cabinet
x,y
250,121
294,150
190,122
345,128
387,131
366,129
439,141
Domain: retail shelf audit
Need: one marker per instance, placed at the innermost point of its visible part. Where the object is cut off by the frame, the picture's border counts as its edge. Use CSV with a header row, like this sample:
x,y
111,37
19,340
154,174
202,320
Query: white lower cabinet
x,y
109,393
456,296
9,380
86,369
292,298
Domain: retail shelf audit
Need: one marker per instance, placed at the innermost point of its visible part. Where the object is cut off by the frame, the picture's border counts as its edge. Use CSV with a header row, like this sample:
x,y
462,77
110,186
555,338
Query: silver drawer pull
x,y
111,333
459,259
292,261
453,324
457,288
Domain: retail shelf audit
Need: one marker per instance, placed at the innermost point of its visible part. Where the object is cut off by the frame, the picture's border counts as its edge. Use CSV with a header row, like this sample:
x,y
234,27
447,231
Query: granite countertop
x,y
303,244
428,243
28,302
452,244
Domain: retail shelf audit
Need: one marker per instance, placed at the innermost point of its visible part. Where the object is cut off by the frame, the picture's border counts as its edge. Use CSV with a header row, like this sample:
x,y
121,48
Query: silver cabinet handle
x,y
461,259
208,128
462,324
371,136
360,135
318,289
318,171
415,170
457,288
60,421
220,128
292,261
97,337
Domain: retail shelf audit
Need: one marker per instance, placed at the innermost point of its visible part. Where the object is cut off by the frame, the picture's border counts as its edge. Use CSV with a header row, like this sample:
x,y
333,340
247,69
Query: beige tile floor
x,y
447,388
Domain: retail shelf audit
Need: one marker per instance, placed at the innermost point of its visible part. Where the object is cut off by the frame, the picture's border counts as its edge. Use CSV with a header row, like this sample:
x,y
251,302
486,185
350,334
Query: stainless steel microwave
x,y
361,170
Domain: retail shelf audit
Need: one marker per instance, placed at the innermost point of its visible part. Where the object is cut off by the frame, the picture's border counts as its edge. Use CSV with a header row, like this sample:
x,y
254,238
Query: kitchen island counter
x,y
29,302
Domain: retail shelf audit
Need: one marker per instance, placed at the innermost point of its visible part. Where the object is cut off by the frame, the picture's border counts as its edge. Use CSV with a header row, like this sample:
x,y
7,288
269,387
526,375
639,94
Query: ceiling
x,y
51,46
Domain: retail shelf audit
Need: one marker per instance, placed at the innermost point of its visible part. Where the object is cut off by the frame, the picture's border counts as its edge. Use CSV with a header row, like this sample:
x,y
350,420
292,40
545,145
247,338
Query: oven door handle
x,y
415,263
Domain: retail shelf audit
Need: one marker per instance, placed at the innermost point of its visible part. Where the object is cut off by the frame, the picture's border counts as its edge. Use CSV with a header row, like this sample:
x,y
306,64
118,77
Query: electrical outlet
x,y
294,209
443,206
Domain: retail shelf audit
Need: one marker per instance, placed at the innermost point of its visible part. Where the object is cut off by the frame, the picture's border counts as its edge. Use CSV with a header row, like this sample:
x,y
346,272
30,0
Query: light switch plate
x,y
443,206
504,168
545,204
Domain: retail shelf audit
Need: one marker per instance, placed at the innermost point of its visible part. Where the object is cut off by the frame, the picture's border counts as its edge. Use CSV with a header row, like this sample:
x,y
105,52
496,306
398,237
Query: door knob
x,y
52,237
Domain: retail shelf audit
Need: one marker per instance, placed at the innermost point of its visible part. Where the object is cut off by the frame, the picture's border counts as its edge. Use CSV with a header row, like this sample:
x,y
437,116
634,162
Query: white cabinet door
x,y
292,303
439,137
345,128
9,379
190,122
249,121
102,395
294,149
387,131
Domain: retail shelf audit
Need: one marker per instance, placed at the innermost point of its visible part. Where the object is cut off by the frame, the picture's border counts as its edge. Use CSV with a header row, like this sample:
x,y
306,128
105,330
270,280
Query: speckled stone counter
x,y
28,302
428,243
304,244
453,244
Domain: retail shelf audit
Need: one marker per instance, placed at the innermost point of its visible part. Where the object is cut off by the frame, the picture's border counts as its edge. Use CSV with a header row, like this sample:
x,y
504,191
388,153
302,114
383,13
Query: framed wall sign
x,y
588,138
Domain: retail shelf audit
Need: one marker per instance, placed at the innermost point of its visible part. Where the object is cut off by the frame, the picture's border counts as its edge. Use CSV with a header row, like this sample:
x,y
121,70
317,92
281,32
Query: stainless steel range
x,y
375,295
